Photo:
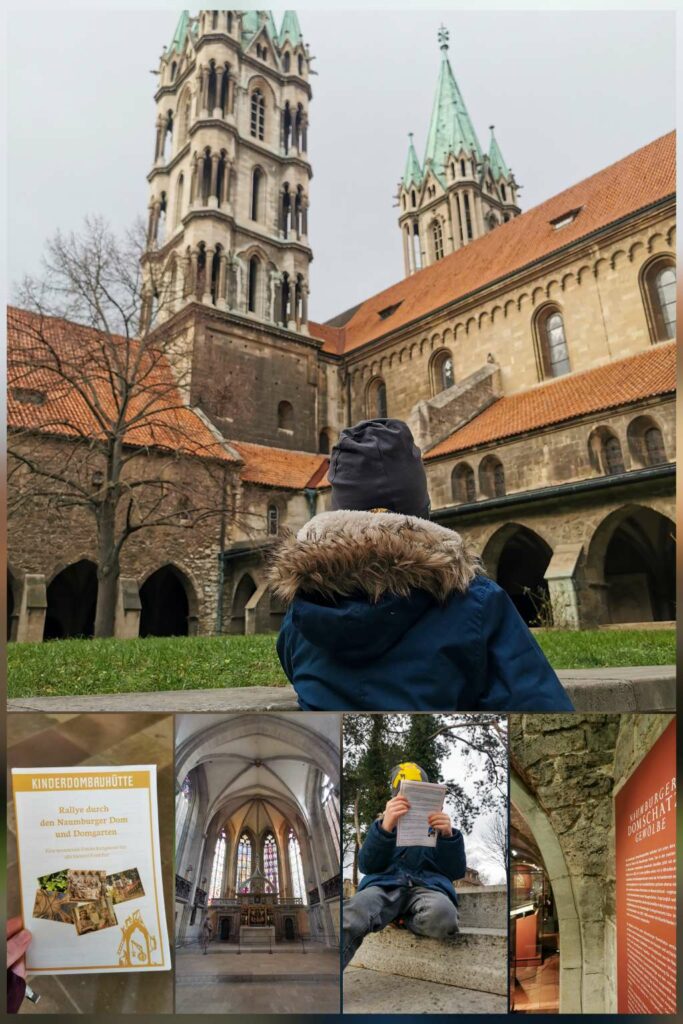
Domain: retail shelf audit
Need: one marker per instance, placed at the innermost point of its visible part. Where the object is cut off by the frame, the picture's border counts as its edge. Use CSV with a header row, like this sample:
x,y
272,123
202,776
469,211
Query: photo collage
x,y
341,652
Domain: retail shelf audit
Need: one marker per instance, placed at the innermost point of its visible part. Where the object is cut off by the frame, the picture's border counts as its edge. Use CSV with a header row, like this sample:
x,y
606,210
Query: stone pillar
x,y
193,180
220,288
563,585
193,273
463,219
205,92
304,304
128,609
32,609
406,251
225,184
257,611
230,100
213,185
159,144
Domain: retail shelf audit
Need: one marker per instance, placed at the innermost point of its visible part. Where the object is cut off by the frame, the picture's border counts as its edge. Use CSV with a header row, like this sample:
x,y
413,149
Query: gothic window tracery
x,y
218,867
296,866
244,862
270,865
258,115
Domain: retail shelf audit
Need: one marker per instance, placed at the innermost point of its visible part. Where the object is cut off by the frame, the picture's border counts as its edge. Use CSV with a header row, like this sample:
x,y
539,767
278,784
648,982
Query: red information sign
x,y
645,822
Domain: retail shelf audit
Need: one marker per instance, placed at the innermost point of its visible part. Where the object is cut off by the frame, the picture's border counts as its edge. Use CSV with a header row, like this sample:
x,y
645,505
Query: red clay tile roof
x,y
34,345
630,184
618,383
280,467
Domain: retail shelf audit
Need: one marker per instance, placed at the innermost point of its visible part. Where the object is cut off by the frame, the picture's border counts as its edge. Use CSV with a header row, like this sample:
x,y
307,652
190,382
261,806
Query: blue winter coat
x,y
385,864
391,614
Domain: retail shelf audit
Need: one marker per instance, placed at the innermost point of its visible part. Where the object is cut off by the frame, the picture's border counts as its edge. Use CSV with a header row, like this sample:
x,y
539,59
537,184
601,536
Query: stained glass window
x,y
665,283
296,867
270,861
218,869
330,804
182,806
244,870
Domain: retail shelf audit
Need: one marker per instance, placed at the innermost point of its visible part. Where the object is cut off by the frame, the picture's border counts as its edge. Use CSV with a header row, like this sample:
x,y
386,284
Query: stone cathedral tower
x,y
227,254
460,192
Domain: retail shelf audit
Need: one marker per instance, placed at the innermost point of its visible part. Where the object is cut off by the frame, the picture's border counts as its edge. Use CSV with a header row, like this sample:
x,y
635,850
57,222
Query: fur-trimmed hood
x,y
375,554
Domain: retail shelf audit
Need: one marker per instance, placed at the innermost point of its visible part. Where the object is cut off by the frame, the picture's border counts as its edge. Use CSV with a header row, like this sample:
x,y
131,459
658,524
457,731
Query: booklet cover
x,y
425,798
90,869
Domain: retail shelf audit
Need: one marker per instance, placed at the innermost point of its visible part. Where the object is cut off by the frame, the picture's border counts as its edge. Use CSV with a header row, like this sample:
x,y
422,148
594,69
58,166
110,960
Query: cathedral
x,y
531,352
258,859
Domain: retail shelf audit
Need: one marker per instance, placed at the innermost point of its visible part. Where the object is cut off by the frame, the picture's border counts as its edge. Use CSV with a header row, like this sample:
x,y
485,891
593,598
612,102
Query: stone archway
x,y
71,602
571,952
168,604
517,558
245,590
632,561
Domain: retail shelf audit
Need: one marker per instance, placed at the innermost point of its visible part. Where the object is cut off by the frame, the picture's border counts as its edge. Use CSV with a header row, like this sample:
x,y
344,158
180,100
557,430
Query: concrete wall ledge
x,y
649,688
476,959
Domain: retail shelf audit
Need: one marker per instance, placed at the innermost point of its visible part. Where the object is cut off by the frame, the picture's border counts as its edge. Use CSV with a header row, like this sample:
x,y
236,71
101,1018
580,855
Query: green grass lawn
x,y
73,667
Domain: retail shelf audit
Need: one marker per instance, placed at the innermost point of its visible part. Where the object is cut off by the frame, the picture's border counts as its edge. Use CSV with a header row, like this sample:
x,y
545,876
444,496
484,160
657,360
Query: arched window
x,y
658,282
330,803
253,284
270,869
491,477
185,117
229,13
244,857
462,168
462,483
214,19
296,867
273,520
413,197
437,238
377,399
552,343
655,453
285,416
256,180
324,443
300,64
503,192
612,456
218,869
174,68
286,63
182,807
258,115
468,216
442,371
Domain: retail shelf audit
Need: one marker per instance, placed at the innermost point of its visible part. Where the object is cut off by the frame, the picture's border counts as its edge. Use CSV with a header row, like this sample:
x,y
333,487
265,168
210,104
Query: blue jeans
x,y
424,911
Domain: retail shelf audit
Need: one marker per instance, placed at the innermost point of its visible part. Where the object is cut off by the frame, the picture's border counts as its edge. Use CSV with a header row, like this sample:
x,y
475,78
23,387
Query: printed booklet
x,y
425,798
90,869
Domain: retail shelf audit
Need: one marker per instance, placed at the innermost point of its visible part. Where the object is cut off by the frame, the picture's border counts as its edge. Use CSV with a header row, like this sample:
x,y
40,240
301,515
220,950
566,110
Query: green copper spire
x,y
413,173
251,23
290,27
450,129
498,166
180,33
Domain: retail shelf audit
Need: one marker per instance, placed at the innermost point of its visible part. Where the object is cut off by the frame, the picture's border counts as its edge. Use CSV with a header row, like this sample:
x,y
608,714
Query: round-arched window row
x,y
376,399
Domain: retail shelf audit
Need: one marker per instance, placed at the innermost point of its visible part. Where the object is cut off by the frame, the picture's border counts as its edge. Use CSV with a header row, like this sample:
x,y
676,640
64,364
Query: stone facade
x,y
565,771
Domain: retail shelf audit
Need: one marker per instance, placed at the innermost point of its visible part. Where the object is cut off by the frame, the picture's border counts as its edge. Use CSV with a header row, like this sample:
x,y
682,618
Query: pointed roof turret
x,y
252,21
450,129
291,28
499,169
413,172
180,33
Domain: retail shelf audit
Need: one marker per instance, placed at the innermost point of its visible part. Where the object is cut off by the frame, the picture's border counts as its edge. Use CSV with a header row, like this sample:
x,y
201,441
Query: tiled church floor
x,y
63,740
537,989
289,982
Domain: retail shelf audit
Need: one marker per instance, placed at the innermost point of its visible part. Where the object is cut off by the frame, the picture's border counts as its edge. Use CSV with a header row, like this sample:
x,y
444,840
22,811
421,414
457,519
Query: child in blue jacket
x,y
388,611
412,883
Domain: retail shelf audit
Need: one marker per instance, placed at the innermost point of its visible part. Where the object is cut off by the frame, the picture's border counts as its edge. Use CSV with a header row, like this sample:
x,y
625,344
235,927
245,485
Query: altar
x,y
259,936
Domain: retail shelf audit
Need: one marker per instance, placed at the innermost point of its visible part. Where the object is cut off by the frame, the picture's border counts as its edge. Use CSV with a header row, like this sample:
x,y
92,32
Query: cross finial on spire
x,y
443,38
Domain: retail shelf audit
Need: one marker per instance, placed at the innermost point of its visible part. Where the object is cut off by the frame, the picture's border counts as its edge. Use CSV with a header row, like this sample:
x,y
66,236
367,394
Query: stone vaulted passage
x,y
165,605
71,601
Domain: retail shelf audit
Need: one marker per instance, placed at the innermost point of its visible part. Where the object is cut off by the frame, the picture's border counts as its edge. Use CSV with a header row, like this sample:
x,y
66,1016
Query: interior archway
x,y
517,558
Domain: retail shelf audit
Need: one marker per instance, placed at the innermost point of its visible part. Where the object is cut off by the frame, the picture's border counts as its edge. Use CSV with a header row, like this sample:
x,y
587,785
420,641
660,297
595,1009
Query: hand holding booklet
x,y
425,798
90,867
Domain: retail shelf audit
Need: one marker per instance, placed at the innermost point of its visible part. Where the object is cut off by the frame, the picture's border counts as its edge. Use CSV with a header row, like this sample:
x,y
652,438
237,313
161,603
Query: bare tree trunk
x,y
356,845
108,570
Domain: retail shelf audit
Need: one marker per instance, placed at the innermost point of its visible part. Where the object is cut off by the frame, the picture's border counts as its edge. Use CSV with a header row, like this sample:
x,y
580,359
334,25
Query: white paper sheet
x,y
90,868
425,798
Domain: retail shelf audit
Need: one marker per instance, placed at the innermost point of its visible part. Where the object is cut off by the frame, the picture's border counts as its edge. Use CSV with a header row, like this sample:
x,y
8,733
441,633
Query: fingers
x,y
17,946
14,925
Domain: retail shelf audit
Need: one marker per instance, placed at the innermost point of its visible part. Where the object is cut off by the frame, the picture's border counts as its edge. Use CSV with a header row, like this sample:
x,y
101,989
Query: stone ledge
x,y
476,959
642,688
378,992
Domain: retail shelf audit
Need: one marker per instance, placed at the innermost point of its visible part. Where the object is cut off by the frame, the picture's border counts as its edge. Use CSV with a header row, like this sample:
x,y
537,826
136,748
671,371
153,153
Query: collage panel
x,y
258,885
424,837
90,862
593,864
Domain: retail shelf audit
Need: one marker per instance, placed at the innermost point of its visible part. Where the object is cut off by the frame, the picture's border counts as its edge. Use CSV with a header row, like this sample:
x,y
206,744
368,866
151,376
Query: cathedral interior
x,y
257,848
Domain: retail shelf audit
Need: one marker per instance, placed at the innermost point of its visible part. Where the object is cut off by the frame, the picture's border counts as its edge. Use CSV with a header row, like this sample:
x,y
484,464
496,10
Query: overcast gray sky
x,y
569,93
